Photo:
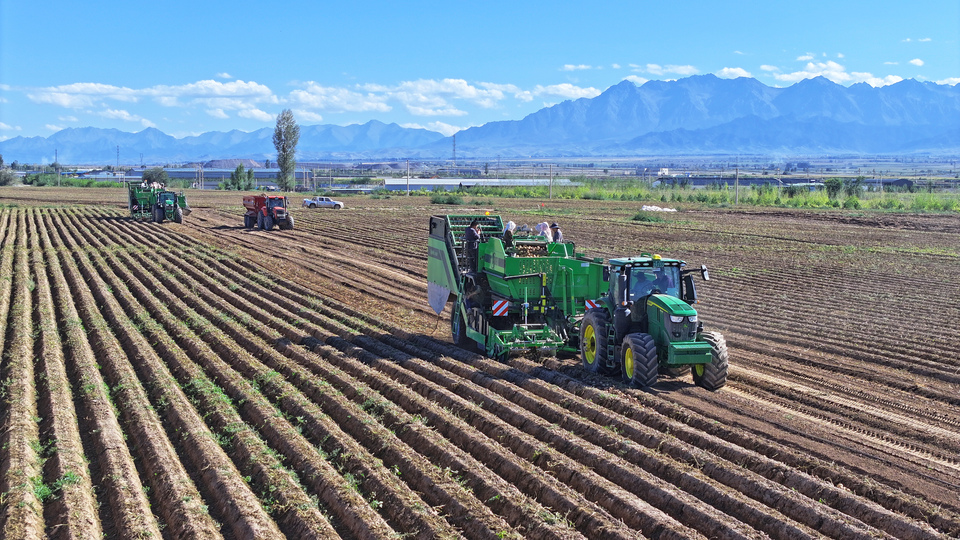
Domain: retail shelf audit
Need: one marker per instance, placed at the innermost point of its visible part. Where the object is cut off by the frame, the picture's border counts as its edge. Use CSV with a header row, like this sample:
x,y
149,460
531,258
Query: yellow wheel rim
x,y
590,345
628,362
698,368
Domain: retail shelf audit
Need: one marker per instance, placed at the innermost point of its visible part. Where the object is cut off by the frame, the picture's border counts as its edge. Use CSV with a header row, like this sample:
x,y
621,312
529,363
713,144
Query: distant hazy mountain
x,y
706,114
696,115
99,146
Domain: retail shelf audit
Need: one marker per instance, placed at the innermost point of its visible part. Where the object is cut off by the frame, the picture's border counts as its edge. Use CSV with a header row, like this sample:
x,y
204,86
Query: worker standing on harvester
x,y
557,234
471,244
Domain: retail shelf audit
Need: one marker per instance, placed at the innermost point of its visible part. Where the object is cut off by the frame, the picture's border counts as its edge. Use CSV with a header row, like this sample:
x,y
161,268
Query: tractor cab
x,y
276,202
167,198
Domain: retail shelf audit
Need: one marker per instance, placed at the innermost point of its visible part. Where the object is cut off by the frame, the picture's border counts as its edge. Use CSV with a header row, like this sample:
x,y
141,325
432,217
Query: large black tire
x,y
713,376
178,215
247,222
593,341
638,360
158,214
268,223
260,221
287,224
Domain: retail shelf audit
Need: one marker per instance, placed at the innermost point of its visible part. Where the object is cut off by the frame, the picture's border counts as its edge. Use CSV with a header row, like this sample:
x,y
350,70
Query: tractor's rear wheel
x,y
638,360
713,376
247,222
287,223
158,214
593,341
260,221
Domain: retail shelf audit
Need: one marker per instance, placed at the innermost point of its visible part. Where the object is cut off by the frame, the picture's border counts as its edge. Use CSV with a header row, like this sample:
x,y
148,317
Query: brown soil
x,y
315,349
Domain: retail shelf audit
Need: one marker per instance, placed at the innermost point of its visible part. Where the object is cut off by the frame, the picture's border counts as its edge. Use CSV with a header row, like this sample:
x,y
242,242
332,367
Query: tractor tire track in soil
x,y
300,378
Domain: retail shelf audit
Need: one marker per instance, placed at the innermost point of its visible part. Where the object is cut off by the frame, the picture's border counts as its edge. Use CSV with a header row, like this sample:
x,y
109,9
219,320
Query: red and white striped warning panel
x,y
500,308
591,304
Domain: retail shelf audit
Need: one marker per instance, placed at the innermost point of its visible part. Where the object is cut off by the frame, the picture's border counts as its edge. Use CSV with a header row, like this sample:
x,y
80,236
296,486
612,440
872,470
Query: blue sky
x,y
191,67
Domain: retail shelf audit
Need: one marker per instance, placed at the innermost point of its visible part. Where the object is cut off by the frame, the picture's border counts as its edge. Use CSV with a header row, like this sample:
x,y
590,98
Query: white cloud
x,y
440,127
331,99
615,66
218,113
307,116
67,118
766,67
891,63
657,69
565,90
732,73
256,114
878,82
6,127
908,40
917,62
572,67
805,58
223,75
924,39
53,127
739,53
637,80
836,73
950,81
120,114
839,55
80,95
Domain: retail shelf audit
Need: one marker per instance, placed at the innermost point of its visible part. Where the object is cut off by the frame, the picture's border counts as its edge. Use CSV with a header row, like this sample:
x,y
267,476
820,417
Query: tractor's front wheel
x,y
638,360
713,376
260,221
268,223
178,215
593,341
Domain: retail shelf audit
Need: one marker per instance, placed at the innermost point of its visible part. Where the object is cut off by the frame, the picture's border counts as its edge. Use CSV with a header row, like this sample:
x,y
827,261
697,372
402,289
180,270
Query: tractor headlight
x,y
692,318
676,318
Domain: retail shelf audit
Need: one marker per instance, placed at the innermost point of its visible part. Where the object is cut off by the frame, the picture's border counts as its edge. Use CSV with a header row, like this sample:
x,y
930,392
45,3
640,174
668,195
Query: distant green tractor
x,y
155,203
645,325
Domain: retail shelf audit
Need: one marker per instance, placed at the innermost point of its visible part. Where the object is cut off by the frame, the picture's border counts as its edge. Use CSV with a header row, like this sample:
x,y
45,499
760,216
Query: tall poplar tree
x,y
285,138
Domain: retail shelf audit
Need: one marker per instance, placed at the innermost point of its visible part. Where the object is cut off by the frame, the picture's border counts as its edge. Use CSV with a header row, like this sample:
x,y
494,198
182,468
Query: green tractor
x,y
155,203
645,325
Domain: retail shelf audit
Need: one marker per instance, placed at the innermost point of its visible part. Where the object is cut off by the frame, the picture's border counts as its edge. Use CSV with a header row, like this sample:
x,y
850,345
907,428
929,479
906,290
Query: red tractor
x,y
265,211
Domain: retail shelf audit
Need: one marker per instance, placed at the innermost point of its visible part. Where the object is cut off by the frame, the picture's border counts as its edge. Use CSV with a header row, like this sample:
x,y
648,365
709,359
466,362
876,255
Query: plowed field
x,y
203,381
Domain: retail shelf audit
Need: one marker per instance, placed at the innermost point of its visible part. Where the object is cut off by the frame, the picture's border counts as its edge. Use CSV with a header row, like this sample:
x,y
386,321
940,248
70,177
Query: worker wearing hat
x,y
557,235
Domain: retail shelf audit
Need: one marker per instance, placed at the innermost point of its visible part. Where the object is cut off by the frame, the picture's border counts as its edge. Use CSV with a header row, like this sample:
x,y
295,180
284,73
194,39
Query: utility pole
x,y
454,150
408,178
551,180
56,159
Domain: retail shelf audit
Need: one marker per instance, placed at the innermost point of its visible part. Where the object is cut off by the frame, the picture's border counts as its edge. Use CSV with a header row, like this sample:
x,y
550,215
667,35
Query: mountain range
x,y
701,114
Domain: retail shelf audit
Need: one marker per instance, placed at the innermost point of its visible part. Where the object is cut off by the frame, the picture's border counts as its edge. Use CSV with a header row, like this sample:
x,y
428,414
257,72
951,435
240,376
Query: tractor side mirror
x,y
689,289
703,272
622,281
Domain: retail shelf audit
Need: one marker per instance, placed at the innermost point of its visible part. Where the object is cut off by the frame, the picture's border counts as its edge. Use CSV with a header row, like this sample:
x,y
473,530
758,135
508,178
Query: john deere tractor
x,y
155,203
645,325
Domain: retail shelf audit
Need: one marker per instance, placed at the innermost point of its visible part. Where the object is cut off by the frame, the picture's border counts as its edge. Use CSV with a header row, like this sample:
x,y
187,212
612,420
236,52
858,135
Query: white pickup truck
x,y
322,202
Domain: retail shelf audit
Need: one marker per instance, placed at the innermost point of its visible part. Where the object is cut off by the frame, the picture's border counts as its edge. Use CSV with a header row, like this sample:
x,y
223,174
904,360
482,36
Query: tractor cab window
x,y
166,198
275,203
644,281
